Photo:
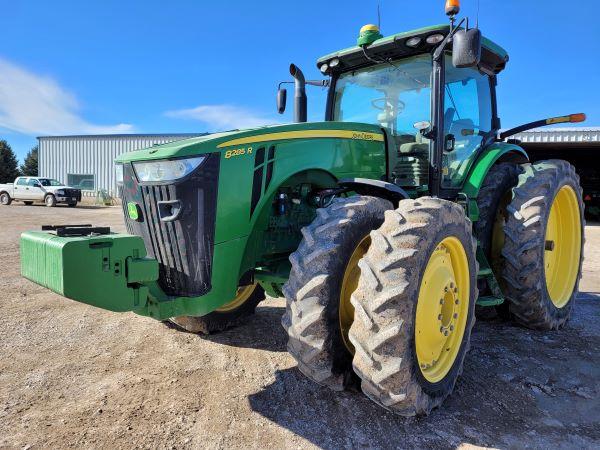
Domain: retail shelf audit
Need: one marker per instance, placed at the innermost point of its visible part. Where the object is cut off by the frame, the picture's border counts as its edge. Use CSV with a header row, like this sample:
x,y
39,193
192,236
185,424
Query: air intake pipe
x,y
299,94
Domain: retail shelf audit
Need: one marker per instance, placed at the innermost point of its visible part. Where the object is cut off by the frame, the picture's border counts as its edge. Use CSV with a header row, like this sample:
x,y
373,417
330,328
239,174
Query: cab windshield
x,y
50,182
394,96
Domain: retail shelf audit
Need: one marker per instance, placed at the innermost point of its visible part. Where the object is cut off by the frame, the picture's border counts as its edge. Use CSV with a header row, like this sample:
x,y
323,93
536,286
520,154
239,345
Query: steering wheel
x,y
382,107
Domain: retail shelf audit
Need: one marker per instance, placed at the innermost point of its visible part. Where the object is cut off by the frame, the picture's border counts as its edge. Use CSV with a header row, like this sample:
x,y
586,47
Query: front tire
x,y
50,201
414,306
229,315
324,274
544,244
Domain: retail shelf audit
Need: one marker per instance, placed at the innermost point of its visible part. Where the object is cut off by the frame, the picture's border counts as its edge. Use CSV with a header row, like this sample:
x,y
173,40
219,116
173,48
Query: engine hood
x,y
230,140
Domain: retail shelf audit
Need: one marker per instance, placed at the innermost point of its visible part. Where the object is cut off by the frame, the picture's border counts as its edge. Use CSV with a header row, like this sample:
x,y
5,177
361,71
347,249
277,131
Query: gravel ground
x,y
75,376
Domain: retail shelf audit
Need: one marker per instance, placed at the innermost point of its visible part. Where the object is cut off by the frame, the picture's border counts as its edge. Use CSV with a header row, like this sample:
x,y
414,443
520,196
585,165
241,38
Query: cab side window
x,y
22,182
33,182
467,120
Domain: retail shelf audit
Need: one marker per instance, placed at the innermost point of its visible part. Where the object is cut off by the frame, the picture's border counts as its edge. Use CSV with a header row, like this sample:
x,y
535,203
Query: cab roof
x,y
493,57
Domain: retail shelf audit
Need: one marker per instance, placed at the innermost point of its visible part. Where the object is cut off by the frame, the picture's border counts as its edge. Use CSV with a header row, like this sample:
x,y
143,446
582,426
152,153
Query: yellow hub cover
x,y
442,309
562,247
243,294
349,285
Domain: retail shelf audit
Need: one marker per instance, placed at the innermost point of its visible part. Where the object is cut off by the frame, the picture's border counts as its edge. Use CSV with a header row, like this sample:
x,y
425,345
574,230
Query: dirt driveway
x,y
75,376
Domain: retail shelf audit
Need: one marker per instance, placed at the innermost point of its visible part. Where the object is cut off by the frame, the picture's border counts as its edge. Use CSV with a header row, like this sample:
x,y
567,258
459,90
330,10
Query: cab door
x,y
468,121
36,190
21,189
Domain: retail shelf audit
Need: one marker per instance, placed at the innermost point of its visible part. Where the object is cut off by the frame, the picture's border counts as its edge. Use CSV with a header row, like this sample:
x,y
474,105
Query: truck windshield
x,y
395,97
50,182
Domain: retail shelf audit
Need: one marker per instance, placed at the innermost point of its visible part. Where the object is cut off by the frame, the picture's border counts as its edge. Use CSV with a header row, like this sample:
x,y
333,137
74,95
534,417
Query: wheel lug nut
x,y
456,302
440,317
446,333
441,329
455,315
455,290
452,284
441,301
451,327
446,289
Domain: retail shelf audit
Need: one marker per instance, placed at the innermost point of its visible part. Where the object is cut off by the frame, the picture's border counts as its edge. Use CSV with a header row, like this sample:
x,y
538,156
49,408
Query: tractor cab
x,y
390,82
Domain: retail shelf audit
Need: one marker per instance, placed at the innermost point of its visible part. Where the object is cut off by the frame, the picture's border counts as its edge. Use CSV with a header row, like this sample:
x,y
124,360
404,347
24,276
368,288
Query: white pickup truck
x,y
39,189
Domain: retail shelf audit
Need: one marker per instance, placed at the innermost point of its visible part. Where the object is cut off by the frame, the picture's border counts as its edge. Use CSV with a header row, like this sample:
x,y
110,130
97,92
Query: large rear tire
x,y
229,315
494,196
324,274
544,244
414,306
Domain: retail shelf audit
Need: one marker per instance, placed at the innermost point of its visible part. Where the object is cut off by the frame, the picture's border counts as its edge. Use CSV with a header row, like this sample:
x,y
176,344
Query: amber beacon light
x,y
452,7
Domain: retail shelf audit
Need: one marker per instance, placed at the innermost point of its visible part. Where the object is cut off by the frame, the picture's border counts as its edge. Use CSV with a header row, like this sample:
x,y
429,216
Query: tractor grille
x,y
183,243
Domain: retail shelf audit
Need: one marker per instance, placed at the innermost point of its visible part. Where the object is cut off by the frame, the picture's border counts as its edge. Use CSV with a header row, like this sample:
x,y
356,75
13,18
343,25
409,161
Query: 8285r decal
x,y
238,152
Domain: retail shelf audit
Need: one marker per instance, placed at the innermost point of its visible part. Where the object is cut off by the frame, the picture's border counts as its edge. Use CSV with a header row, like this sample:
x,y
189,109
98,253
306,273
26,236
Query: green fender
x,y
497,152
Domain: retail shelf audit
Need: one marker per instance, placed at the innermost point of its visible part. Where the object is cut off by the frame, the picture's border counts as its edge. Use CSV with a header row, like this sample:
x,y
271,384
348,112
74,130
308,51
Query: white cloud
x,y
33,104
222,117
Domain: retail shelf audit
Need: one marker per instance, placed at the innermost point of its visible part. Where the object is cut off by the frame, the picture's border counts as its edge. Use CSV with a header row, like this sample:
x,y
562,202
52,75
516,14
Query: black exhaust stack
x,y
299,94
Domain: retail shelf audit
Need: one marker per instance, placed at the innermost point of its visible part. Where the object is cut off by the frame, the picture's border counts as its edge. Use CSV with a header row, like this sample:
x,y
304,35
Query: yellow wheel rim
x,y
562,246
243,294
349,285
442,309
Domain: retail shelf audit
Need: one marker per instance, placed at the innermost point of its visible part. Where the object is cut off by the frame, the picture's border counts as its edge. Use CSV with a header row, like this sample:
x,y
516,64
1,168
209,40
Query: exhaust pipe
x,y
299,94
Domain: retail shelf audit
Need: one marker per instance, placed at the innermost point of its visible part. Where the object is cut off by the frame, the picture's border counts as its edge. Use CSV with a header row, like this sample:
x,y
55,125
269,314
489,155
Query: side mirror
x,y
466,48
281,100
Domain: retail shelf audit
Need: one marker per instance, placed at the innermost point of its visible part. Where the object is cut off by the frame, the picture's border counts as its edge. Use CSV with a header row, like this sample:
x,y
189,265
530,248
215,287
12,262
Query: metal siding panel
x,y
94,155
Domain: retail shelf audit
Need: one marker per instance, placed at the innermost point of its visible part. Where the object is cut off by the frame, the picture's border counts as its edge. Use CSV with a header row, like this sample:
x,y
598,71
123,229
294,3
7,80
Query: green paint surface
x,y
132,210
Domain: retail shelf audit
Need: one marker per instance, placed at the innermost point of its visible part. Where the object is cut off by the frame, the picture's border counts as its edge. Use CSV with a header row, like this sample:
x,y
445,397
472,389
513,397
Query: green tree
x,y
30,165
9,169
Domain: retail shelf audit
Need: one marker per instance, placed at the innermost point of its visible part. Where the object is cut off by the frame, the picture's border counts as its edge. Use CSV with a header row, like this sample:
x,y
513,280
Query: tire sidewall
x,y
442,387
4,199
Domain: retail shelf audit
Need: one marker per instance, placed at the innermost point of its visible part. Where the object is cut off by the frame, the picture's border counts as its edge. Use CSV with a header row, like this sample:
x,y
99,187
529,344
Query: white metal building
x,y
87,162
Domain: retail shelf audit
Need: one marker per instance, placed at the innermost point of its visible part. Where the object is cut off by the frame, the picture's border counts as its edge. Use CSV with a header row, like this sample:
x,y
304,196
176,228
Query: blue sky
x,y
73,67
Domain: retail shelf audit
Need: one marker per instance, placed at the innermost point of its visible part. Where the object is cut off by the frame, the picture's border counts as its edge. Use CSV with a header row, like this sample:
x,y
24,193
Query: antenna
x,y
477,16
378,17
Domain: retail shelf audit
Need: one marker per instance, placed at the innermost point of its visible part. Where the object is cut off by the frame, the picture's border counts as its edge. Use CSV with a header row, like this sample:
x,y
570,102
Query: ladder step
x,y
484,273
489,301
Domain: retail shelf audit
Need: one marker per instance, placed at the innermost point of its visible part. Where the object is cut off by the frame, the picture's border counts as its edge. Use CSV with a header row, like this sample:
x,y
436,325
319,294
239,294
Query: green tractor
x,y
384,226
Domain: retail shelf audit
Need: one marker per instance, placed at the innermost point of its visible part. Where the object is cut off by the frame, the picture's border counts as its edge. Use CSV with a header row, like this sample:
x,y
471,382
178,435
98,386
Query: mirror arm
x,y
439,51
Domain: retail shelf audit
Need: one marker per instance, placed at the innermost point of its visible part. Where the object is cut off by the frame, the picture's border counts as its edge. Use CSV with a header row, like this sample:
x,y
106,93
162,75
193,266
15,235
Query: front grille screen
x,y
178,226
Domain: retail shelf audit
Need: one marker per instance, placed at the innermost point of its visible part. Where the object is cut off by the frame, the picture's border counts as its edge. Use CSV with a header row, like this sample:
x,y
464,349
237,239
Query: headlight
x,y
119,173
166,170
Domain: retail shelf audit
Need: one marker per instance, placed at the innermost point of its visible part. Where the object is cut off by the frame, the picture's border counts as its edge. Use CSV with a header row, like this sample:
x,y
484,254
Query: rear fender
x,y
495,153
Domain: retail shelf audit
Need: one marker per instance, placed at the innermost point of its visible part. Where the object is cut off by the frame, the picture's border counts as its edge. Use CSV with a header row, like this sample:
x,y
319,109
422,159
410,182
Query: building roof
x,y
581,135
131,136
